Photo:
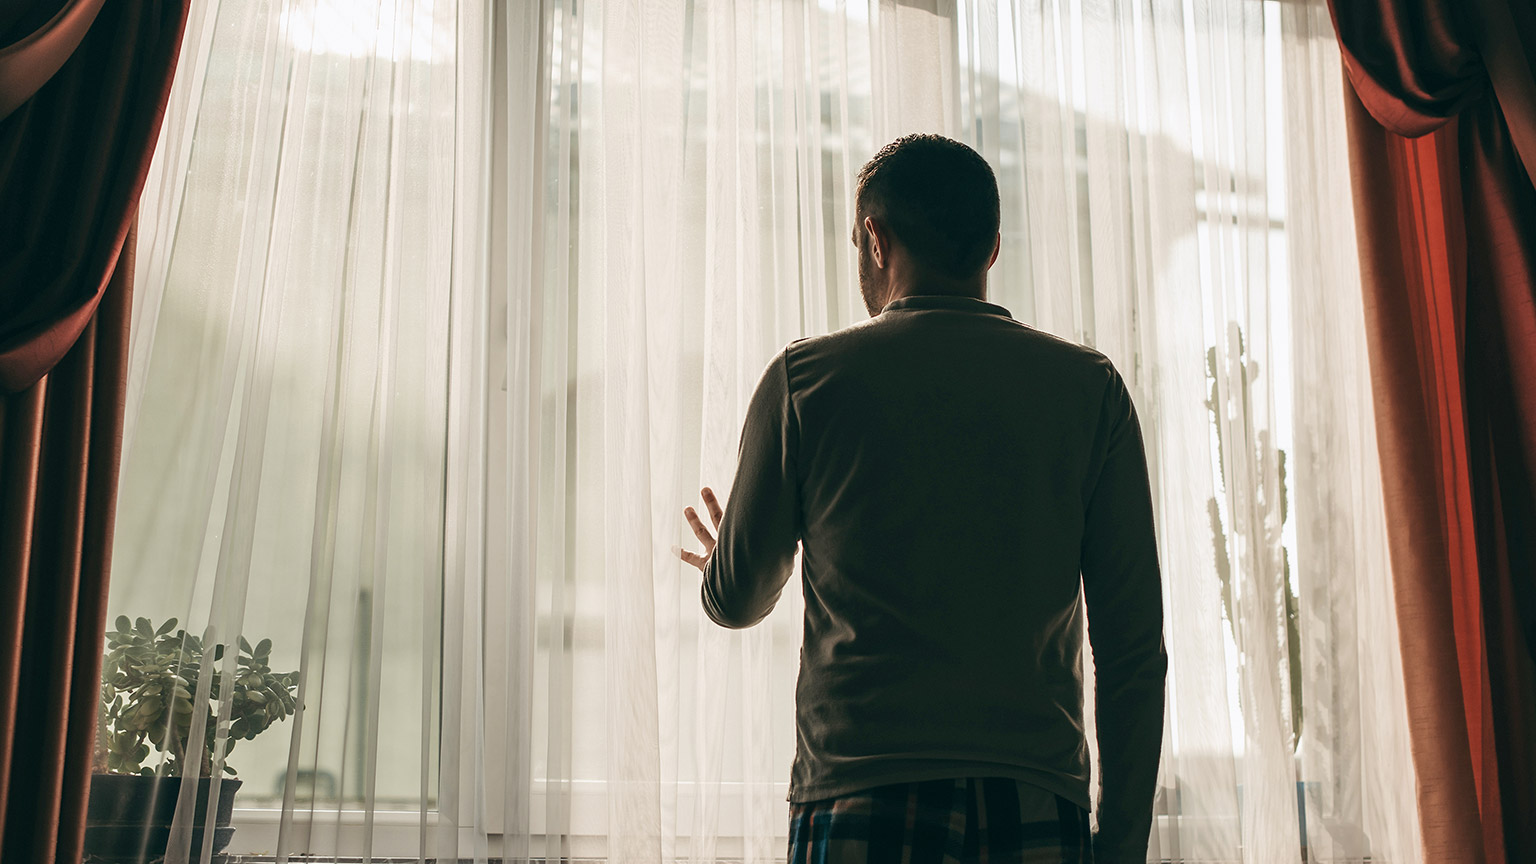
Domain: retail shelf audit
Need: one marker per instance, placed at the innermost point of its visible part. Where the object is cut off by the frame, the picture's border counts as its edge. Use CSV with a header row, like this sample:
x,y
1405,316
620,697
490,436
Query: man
x,y
961,486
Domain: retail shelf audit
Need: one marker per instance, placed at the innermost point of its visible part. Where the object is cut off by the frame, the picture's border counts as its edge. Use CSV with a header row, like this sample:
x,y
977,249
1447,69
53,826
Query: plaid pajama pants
x,y
988,820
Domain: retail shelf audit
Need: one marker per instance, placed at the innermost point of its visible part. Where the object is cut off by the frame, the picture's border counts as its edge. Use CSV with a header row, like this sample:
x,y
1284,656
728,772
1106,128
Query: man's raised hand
x,y
705,536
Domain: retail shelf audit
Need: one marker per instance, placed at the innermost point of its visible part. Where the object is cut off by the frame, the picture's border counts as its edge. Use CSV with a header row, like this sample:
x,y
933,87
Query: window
x,y
446,310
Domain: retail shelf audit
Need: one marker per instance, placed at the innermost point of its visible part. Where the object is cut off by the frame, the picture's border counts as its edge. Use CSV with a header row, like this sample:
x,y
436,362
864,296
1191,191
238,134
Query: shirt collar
x,y
946,301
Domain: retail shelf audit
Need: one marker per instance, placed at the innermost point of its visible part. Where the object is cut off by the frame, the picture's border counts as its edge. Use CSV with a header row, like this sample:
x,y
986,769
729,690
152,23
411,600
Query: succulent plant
x,y
1271,510
148,681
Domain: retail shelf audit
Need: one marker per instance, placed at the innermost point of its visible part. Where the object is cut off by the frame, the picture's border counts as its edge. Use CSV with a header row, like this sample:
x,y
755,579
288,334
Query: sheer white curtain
x,y
686,174
447,308
312,227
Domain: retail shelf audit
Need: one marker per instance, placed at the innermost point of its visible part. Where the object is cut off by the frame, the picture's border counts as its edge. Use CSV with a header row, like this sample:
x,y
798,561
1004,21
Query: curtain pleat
x,y
50,33
59,454
73,158
1501,430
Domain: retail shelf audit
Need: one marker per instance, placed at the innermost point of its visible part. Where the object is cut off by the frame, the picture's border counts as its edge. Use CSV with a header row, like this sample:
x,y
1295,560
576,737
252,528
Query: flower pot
x,y
128,818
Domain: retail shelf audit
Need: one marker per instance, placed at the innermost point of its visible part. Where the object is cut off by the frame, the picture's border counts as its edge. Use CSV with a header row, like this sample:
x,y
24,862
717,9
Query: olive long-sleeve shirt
x,y
962,485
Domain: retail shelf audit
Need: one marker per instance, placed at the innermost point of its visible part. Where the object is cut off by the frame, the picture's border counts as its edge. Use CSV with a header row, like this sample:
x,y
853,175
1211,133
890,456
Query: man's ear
x,y
997,246
879,241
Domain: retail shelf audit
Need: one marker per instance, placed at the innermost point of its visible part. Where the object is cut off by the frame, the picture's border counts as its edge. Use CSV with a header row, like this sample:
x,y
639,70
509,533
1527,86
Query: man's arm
x,y
1123,594
755,553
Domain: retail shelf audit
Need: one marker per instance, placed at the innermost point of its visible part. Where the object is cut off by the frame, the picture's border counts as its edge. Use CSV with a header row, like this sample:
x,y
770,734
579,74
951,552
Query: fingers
x,y
693,558
699,530
712,504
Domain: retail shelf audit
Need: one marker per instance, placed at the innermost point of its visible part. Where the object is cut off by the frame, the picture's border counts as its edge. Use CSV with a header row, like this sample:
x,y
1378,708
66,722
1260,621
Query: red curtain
x,y
83,87
1442,126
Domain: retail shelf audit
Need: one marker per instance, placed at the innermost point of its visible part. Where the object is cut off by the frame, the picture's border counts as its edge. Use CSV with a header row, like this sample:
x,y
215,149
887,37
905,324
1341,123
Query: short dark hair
x,y
937,197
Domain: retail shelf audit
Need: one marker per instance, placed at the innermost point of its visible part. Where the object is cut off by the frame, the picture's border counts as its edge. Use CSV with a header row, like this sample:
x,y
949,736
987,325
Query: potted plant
x,y
148,681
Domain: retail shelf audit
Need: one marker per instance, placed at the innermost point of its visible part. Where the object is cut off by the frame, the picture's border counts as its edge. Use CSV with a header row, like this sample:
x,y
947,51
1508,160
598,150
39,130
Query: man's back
x,y
950,472
945,457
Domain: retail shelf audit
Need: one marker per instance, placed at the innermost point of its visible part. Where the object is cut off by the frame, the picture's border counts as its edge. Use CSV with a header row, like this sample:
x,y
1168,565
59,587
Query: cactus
x,y
1267,457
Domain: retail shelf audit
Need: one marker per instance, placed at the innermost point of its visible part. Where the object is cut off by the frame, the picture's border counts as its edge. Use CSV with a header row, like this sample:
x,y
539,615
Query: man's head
x,y
925,220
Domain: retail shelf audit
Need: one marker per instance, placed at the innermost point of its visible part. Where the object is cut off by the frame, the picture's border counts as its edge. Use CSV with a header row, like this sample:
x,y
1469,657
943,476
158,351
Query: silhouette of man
x,y
961,486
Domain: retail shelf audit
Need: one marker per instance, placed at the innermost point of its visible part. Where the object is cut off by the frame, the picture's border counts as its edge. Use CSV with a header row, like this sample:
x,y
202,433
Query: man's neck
x,y
974,289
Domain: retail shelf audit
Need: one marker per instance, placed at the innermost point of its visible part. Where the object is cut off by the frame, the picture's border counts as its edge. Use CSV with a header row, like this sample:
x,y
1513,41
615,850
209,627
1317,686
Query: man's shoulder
x,y
852,332
825,346
1063,347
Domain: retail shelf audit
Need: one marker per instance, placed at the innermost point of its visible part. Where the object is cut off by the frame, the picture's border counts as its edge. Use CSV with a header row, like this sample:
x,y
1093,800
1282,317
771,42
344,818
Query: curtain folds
x,y
1448,243
59,443
27,63
73,159
82,93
